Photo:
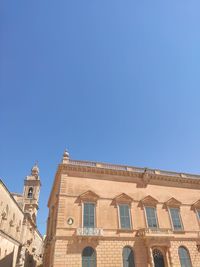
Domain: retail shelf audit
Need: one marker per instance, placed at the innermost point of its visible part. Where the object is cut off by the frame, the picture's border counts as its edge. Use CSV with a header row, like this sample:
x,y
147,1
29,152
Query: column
x,y
169,257
150,257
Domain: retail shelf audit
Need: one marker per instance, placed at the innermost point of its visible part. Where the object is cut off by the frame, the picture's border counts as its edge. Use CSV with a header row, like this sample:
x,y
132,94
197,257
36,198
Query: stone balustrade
x,y
132,169
144,232
89,231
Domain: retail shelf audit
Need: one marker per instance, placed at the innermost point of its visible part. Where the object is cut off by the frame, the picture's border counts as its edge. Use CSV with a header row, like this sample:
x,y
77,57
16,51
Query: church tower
x,y
31,193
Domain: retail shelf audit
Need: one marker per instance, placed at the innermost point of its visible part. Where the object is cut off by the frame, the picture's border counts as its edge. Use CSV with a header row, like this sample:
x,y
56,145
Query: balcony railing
x,y
133,169
86,231
145,232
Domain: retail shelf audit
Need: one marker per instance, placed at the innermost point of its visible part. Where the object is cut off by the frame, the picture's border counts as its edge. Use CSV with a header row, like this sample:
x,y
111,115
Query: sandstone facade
x,y
137,217
21,244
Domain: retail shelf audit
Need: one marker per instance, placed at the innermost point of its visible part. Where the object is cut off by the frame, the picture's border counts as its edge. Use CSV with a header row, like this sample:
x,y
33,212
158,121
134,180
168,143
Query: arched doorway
x,y
88,257
128,257
158,258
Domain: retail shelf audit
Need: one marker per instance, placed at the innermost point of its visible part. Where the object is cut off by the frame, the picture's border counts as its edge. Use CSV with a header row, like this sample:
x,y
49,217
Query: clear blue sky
x,y
111,80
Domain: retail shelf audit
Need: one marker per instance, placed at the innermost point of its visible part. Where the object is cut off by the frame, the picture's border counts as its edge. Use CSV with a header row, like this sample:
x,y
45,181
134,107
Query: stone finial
x,y
35,170
65,158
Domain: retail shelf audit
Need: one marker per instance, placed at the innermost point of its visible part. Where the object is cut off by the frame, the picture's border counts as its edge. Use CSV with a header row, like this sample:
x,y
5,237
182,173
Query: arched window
x,y
88,257
158,258
30,192
128,257
184,257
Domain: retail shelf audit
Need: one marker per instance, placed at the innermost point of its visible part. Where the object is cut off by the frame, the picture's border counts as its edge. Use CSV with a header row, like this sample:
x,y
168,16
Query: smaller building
x,y
21,244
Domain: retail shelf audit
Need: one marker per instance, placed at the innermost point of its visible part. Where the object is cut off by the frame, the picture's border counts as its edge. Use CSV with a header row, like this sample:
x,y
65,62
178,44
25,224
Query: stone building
x,y
21,244
109,215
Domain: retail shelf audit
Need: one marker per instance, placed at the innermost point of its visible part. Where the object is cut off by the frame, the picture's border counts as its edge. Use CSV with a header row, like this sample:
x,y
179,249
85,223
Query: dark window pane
x,y
124,216
88,215
184,257
151,217
176,220
158,258
30,192
128,257
198,213
88,257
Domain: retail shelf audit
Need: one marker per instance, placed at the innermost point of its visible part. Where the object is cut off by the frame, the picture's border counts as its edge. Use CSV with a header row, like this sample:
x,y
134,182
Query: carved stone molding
x,y
122,199
88,196
149,201
172,202
196,205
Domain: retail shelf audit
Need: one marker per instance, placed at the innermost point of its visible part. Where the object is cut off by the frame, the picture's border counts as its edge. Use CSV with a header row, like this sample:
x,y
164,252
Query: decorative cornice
x,y
143,176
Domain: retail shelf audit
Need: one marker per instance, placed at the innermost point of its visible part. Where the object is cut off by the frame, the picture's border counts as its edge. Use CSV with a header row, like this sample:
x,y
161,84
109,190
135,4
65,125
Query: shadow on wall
x,y
7,260
29,260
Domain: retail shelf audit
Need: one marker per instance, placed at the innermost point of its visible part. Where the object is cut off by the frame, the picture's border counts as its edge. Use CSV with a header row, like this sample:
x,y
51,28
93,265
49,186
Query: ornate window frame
x,y
150,202
173,203
123,199
88,197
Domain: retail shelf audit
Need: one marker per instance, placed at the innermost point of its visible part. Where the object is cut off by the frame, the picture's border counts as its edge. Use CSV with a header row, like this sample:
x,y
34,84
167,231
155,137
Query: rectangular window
x,y
124,212
151,217
89,215
176,219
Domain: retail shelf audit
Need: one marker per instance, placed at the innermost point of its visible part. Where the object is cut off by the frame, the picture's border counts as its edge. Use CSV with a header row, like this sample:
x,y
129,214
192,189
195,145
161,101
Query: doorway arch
x,y
88,257
158,258
128,257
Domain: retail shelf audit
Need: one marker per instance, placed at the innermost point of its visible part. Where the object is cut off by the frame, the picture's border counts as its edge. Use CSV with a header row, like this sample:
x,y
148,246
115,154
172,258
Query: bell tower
x,y
31,193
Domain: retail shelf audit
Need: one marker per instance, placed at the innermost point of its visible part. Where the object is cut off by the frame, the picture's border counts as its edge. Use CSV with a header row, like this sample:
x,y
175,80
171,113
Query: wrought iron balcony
x,y
87,231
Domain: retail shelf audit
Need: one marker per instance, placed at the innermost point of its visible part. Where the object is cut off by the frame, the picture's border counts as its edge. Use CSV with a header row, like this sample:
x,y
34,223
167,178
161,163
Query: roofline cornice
x,y
146,175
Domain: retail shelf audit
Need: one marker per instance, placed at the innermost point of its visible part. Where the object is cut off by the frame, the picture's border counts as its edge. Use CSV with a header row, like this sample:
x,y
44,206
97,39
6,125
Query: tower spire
x,y
35,170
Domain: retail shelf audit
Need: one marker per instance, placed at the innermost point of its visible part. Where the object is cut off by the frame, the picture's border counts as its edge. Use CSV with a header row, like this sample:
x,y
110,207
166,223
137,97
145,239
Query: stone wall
x,y
11,219
20,242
